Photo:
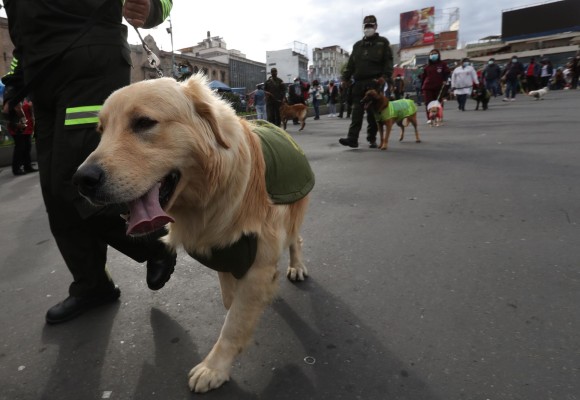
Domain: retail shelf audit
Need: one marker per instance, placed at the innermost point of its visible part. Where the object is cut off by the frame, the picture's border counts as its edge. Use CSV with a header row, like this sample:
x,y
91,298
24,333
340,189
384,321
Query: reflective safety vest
x,y
398,109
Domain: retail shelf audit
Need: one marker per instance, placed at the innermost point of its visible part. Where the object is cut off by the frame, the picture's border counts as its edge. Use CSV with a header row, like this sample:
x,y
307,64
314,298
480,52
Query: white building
x,y
290,63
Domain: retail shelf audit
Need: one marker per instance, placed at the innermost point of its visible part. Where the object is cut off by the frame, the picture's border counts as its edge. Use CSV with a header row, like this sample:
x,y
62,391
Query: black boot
x,y
160,268
348,142
73,306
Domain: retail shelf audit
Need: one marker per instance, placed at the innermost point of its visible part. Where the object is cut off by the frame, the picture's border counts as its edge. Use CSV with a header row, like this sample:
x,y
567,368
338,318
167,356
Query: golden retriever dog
x,y
177,154
388,113
289,112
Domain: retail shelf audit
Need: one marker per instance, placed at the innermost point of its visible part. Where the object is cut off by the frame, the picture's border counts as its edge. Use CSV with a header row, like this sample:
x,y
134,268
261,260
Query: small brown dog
x,y
388,113
435,109
289,112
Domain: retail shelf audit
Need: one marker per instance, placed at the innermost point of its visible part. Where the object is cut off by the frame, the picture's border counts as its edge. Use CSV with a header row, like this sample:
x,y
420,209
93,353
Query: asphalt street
x,y
444,270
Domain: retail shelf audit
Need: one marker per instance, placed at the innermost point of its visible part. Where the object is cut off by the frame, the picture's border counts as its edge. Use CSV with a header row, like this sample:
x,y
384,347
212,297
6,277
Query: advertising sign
x,y
417,27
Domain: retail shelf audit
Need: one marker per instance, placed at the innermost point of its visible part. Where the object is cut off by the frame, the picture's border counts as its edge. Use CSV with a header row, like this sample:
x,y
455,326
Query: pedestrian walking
x,y
462,81
513,72
435,76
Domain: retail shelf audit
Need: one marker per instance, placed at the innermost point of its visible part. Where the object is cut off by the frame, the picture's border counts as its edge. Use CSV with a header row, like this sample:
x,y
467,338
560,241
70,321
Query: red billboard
x,y
417,27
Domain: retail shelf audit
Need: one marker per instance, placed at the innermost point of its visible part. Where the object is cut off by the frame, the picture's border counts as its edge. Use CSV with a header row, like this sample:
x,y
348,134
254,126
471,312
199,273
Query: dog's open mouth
x,y
146,213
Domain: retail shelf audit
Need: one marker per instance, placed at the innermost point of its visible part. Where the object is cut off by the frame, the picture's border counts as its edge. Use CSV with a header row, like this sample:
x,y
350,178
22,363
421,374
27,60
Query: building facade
x,y
327,63
7,47
289,63
243,73
177,65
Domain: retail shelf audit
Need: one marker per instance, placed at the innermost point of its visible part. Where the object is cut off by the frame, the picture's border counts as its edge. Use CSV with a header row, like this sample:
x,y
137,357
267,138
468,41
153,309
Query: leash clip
x,y
152,58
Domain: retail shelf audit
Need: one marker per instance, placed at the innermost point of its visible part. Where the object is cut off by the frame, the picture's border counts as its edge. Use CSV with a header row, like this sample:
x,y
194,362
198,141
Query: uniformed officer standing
x,y
275,92
371,65
69,57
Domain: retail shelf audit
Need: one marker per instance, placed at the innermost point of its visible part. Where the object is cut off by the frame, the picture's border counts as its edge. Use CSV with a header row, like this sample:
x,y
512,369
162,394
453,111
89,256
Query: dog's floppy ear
x,y
204,109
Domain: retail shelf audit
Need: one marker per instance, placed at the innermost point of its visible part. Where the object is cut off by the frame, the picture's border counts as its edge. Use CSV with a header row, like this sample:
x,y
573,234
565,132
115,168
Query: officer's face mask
x,y
490,62
369,30
434,57
514,60
465,64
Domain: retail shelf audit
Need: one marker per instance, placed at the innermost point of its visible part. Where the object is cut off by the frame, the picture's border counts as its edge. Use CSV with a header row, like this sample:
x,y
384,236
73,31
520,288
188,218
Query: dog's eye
x,y
141,124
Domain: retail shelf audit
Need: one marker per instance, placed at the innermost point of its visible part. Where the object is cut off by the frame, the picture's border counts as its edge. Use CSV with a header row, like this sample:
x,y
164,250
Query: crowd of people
x,y
370,66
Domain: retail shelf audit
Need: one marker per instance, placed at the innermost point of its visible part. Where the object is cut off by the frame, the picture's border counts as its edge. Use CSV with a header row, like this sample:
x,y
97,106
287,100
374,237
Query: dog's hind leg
x,y
303,122
252,294
402,126
296,270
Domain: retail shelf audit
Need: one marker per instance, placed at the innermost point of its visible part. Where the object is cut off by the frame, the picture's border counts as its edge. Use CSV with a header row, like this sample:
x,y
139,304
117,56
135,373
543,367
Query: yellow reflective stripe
x,y
73,110
13,65
81,121
82,115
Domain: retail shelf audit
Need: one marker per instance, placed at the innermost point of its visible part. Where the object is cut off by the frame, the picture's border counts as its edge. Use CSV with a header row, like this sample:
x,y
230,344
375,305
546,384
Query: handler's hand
x,y
136,12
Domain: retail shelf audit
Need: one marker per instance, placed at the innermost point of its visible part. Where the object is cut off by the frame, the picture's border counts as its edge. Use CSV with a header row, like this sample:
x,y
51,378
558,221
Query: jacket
x,y
492,72
49,27
276,88
435,75
463,79
371,58
513,70
536,69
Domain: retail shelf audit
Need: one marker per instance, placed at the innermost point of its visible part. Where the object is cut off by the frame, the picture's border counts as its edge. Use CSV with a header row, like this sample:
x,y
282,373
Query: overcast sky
x,y
253,27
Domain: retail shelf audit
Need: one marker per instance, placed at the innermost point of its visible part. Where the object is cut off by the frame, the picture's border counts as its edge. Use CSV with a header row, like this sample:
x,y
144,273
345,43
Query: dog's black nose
x,y
88,179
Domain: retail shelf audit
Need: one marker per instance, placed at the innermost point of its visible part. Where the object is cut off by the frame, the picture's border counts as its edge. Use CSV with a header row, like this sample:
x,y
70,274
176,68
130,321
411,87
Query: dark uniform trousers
x,y
273,112
85,76
359,89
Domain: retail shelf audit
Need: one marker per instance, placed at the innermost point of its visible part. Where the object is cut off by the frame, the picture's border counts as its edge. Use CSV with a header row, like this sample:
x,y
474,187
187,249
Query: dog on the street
x,y
540,93
481,95
289,112
435,110
387,113
177,154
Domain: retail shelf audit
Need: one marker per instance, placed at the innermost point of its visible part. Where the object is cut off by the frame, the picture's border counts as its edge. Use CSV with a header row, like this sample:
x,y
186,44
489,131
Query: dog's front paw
x,y
297,272
203,378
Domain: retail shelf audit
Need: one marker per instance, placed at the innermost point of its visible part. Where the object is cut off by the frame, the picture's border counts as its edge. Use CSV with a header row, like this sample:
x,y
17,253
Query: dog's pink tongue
x,y
146,214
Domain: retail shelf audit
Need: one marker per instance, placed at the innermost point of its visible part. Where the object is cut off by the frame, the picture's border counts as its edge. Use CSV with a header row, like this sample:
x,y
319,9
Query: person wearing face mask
x,y
434,77
513,72
462,81
371,65
491,75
